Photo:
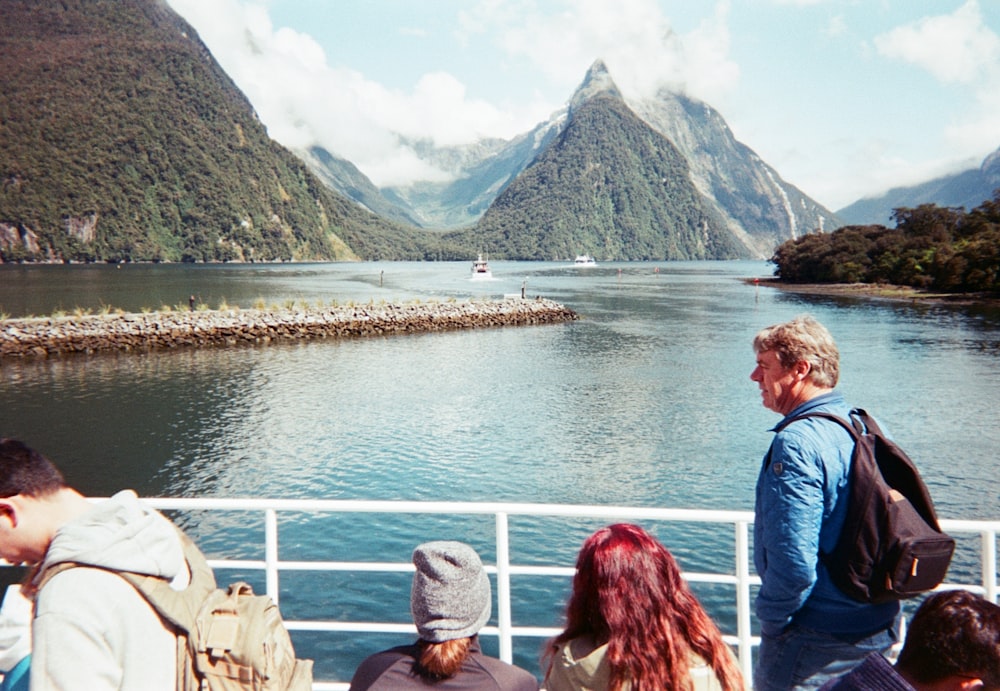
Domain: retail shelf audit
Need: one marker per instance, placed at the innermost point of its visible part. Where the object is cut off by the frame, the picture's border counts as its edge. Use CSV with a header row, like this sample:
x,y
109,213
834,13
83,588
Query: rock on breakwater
x,y
158,330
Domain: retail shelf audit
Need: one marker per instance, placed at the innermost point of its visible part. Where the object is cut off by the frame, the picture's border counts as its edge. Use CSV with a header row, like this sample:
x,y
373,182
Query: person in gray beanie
x,y
451,595
450,601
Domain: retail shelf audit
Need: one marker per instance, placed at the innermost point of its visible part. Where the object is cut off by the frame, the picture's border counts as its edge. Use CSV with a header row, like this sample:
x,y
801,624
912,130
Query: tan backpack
x,y
227,640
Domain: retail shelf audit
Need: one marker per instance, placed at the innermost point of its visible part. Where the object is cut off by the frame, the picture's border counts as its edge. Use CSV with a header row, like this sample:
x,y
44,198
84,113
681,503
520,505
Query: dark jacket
x,y
393,669
874,674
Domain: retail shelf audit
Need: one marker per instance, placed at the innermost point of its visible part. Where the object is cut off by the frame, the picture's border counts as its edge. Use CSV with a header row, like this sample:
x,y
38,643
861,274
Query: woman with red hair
x,y
633,624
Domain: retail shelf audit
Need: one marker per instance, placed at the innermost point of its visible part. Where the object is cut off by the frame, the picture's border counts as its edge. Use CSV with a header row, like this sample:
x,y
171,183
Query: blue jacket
x,y
17,678
801,503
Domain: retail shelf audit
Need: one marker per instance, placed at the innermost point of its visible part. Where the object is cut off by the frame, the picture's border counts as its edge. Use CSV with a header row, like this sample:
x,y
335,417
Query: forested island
x,y
932,248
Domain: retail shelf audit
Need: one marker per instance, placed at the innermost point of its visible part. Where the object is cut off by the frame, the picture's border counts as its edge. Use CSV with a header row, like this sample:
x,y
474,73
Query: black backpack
x,y
891,547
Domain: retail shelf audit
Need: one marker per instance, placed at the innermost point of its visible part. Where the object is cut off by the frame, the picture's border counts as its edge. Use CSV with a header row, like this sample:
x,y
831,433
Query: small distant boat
x,y
584,260
481,268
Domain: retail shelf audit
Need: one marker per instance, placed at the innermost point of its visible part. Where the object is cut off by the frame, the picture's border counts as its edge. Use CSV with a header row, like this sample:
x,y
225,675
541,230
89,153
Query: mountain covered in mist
x,y
738,197
479,172
123,140
967,189
608,185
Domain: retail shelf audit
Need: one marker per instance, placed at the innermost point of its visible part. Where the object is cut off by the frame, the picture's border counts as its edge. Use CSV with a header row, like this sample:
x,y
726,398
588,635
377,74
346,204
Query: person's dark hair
x,y
25,471
628,592
953,633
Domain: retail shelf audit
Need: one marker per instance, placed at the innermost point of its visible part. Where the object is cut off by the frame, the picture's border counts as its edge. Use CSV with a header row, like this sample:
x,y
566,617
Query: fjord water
x,y
645,401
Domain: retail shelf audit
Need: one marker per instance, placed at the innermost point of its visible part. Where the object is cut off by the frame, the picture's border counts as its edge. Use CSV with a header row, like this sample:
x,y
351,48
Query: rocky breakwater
x,y
163,330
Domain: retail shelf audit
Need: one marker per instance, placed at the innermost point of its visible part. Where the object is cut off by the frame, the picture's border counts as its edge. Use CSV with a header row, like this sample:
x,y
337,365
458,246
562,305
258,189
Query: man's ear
x,y
8,512
801,369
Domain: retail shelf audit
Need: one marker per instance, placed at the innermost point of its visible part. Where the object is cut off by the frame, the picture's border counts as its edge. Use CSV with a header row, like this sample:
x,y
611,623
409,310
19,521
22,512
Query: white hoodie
x,y
92,630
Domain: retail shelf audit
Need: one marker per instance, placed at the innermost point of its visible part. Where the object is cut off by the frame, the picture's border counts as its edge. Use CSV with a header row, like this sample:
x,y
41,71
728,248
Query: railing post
x,y
271,553
743,600
989,564
503,589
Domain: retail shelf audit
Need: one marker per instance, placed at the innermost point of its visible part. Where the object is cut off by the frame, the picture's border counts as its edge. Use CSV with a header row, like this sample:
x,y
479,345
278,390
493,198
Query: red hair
x,y
443,660
628,592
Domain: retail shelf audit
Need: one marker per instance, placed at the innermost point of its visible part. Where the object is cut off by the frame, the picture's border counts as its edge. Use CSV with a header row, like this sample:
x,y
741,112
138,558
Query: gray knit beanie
x,y
451,595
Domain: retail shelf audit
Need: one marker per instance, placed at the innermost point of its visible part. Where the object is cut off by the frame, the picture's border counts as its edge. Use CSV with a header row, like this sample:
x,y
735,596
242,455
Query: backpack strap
x,y
860,421
177,607
856,427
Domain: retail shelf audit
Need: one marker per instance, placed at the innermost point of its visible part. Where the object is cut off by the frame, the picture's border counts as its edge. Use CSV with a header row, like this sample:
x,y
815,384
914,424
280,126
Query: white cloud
x,y
877,169
837,26
633,37
304,101
413,31
981,126
955,48
961,50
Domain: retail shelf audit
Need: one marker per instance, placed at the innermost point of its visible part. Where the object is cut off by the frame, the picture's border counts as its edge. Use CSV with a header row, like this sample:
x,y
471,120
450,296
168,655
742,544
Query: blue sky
x,y
843,98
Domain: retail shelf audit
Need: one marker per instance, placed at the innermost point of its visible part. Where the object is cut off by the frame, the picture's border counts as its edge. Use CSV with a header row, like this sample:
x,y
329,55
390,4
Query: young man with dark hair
x,y
953,644
92,630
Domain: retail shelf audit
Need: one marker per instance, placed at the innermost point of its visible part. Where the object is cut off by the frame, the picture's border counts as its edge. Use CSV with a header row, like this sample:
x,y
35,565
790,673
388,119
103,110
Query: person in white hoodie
x,y
15,632
92,630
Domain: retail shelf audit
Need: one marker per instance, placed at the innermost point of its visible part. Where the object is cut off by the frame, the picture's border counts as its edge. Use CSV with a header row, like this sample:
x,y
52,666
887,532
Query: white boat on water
x,y
481,268
584,260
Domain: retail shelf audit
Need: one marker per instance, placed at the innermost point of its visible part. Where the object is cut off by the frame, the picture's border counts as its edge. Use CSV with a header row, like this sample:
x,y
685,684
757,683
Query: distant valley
x,y
967,189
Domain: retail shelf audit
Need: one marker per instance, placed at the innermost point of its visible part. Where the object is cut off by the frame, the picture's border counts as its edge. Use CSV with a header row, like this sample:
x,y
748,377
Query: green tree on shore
x,y
933,248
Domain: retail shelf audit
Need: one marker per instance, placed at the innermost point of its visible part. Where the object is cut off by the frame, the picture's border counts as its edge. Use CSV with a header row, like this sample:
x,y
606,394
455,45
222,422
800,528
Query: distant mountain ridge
x,y
749,197
480,172
967,189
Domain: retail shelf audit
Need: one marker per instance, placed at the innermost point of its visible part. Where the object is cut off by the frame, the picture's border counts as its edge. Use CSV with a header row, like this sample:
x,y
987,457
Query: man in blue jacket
x,y
810,630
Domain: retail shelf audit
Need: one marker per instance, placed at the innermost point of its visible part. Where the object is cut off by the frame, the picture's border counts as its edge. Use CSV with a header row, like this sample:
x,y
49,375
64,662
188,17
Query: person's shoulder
x,y
811,435
83,593
508,677
875,673
389,656
702,675
74,581
374,667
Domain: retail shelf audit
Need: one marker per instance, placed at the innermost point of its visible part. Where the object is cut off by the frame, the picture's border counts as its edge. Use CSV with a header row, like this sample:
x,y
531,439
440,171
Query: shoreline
x,y
128,332
878,291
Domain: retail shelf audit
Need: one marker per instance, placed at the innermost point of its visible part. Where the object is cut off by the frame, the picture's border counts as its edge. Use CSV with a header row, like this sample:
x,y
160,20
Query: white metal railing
x,y
740,521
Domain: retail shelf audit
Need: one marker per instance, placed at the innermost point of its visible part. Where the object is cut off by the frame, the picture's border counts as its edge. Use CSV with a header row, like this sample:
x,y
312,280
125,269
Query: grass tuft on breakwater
x,y
174,327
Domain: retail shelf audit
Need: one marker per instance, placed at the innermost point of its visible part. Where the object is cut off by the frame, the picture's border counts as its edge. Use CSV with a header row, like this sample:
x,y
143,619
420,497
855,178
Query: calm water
x,y
645,401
